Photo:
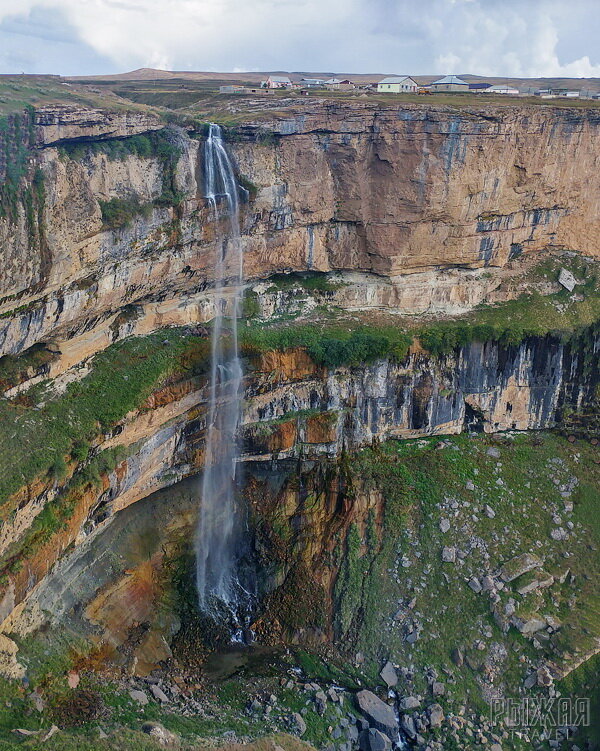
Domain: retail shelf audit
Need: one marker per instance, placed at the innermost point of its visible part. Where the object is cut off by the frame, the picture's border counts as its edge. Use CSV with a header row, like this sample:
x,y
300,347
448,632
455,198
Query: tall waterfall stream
x,y
221,544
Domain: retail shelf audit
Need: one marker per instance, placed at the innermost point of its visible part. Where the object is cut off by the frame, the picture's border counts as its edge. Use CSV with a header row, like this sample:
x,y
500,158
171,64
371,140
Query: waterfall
x,y
220,536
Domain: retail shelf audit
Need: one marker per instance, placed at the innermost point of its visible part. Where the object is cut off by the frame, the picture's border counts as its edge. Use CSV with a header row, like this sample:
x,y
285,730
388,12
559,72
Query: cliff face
x,y
481,387
294,410
415,210
416,189
385,191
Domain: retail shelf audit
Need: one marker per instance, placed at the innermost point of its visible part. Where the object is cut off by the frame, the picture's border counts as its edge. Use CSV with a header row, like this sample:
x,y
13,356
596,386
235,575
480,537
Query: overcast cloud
x,y
486,37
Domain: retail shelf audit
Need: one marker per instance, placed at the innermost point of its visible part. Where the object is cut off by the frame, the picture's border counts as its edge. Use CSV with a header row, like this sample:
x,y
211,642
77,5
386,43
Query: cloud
x,y
44,41
489,37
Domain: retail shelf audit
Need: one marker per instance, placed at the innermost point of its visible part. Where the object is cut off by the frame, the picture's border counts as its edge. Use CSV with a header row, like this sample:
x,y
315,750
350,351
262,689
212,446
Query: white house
x,y
311,83
278,82
397,85
551,93
502,89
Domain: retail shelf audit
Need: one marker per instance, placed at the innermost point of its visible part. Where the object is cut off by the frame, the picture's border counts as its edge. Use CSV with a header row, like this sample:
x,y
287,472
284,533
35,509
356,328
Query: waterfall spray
x,y
220,538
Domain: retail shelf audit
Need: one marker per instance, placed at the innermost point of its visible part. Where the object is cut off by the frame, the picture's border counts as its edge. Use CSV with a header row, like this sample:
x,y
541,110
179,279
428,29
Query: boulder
x,y
412,637
530,681
553,623
73,679
533,580
448,554
159,694
379,714
408,726
528,625
544,676
374,740
160,734
566,279
444,525
435,714
388,675
38,701
408,703
299,723
519,565
321,702
139,696
457,656
439,689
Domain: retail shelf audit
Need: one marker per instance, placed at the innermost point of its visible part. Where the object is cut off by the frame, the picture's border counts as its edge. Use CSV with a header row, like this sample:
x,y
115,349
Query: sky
x,y
521,38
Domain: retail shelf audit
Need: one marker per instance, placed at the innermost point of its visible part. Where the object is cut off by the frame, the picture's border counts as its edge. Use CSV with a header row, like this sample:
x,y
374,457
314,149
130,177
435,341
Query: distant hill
x,y
154,74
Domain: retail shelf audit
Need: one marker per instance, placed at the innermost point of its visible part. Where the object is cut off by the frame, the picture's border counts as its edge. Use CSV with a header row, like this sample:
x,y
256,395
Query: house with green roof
x,y
449,83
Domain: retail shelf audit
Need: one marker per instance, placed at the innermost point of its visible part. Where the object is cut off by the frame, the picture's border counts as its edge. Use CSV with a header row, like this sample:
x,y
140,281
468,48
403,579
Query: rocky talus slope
x,y
407,347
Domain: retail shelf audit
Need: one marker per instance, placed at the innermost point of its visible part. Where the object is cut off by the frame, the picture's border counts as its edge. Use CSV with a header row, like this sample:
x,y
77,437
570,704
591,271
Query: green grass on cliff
x,y
20,91
39,430
513,321
421,483
330,345
120,212
333,343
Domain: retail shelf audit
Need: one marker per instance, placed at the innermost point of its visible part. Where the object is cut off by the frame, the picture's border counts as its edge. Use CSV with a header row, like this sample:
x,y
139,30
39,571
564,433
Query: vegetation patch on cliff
x,y
564,314
22,183
312,282
331,346
41,431
120,212
16,369
17,136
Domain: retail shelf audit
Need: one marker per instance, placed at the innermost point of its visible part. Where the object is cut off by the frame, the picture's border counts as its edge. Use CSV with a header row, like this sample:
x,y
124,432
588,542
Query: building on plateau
x,y
449,83
552,93
339,84
278,82
312,83
478,88
397,85
233,89
502,88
